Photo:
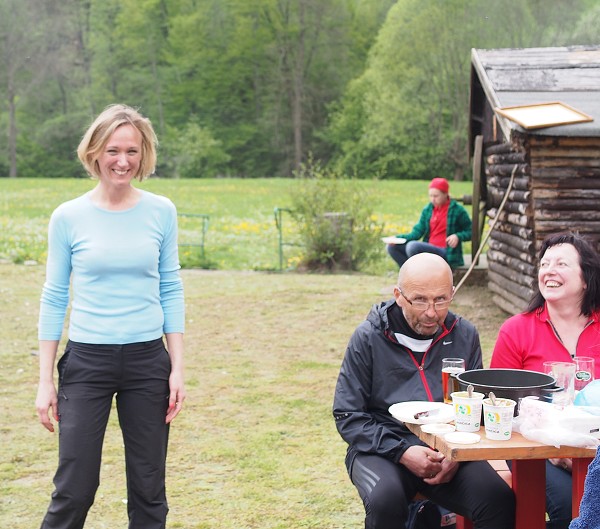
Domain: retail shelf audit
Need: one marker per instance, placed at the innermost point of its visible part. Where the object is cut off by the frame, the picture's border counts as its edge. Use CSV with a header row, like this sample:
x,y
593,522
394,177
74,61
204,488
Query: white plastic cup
x,y
467,411
498,419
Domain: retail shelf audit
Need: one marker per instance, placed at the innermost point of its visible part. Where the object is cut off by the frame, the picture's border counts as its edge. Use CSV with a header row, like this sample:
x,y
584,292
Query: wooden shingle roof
x,y
510,77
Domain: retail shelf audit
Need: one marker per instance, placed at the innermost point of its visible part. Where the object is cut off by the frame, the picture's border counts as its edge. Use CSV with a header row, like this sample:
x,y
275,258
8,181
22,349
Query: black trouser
x,y
89,376
476,492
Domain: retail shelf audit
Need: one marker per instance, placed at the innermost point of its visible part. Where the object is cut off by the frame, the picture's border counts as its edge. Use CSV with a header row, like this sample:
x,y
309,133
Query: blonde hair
x,y
96,137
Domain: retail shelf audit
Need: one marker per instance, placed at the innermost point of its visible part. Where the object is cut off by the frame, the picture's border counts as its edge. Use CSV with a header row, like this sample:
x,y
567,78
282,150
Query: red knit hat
x,y
441,184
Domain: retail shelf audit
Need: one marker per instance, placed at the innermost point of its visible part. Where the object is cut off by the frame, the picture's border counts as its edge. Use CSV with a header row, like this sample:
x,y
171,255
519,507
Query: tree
x,y
405,116
19,54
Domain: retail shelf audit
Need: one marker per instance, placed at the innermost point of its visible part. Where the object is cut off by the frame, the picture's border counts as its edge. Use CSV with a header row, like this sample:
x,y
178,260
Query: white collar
x,y
418,346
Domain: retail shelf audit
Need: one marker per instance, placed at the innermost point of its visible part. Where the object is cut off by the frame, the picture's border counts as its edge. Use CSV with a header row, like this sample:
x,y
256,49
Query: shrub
x,y
193,152
335,218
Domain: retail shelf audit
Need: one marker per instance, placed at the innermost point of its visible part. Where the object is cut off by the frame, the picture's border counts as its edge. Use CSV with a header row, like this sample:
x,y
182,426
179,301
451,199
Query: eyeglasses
x,y
424,305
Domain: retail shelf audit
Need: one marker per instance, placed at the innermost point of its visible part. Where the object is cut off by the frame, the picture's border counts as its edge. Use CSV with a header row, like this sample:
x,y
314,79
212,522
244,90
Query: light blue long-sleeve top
x,y
124,271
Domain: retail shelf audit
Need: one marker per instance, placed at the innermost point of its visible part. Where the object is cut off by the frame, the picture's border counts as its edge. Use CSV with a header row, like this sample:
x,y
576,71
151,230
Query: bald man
x,y
396,356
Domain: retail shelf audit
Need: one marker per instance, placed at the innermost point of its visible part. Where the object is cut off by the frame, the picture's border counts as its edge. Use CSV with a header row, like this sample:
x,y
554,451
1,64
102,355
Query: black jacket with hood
x,y
377,372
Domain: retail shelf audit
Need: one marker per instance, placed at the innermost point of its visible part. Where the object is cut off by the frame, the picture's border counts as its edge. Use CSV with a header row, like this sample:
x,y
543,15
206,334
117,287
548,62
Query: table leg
x,y
529,485
580,467
463,523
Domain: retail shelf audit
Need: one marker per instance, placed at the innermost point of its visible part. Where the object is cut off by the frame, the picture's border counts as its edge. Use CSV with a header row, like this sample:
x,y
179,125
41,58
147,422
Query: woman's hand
x,y
176,395
176,385
565,463
46,400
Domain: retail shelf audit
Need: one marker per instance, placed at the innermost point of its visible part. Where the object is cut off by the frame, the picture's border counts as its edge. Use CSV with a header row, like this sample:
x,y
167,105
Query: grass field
x,y
256,446
242,234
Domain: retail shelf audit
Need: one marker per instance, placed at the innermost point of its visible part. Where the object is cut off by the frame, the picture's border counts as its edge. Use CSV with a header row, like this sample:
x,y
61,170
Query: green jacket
x,y
458,223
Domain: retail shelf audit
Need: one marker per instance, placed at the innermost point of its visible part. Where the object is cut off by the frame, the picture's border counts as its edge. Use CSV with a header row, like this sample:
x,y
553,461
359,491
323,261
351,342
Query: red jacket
x,y
527,340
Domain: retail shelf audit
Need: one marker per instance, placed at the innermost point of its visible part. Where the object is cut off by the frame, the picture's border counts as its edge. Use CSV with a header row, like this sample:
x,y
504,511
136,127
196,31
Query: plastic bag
x,y
589,395
557,425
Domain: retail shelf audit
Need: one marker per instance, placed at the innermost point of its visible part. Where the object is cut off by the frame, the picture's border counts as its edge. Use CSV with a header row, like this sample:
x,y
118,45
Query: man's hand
x,y
422,461
429,465
449,469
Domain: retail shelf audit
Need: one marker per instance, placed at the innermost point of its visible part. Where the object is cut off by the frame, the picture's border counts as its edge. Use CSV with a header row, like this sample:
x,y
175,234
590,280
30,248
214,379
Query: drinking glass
x,y
564,373
450,368
584,371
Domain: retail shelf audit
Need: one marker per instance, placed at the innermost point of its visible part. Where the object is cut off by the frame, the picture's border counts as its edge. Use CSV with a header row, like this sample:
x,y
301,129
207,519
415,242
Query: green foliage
x,y
335,217
257,74
372,87
406,115
242,234
50,150
194,153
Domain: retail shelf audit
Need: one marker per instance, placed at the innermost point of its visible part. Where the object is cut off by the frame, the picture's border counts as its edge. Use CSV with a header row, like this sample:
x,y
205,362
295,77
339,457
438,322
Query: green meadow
x,y
255,446
242,234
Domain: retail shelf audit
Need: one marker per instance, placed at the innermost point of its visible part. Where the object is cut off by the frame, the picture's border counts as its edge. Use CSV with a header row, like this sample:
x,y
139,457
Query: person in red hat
x,y
443,226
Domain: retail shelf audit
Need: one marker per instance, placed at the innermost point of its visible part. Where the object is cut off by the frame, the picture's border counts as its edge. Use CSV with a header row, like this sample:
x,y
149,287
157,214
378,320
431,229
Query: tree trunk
x,y
298,90
12,129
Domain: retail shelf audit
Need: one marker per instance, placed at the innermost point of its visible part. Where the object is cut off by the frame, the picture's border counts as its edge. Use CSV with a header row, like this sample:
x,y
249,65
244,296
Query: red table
x,y
528,469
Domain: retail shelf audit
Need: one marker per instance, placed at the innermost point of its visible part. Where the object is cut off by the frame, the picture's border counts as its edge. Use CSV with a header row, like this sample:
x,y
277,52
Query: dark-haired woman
x,y
561,322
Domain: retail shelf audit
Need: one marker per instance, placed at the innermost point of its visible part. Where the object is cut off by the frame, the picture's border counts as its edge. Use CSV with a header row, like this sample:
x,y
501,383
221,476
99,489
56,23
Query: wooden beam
x,y
563,141
515,301
537,163
564,172
498,193
508,284
566,215
520,182
513,218
524,245
564,152
558,202
510,250
507,169
524,233
511,262
577,182
541,192
544,227
507,306
511,157
499,148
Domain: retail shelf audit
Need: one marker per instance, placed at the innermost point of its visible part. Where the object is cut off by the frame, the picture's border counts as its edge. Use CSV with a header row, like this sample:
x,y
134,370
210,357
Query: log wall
x,y
556,188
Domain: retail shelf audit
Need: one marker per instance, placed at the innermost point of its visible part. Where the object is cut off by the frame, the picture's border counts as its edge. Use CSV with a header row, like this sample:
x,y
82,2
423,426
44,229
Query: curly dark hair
x,y
589,261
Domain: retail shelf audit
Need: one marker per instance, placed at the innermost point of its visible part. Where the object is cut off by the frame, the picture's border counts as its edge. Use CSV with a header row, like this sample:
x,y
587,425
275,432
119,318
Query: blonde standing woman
x,y
117,246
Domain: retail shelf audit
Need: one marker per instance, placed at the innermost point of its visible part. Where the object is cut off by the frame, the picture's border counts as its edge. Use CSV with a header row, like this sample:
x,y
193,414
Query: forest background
x,y
251,88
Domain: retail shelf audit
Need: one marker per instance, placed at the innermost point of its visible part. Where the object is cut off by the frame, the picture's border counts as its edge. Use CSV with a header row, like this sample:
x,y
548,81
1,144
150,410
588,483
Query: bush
x,y
335,218
193,152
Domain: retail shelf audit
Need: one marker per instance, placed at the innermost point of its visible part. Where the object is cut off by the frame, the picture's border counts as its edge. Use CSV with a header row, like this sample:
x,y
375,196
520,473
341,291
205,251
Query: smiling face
x,y
120,159
559,276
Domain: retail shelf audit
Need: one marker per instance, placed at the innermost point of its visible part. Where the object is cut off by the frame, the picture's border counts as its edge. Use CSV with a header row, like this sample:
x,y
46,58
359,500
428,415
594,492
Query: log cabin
x,y
548,163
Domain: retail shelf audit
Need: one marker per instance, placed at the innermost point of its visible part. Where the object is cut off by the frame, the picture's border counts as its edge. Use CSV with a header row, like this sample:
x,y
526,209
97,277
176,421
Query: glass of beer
x,y
450,368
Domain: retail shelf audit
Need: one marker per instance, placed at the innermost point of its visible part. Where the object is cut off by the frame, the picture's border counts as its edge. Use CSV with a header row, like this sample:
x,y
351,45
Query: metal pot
x,y
510,383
